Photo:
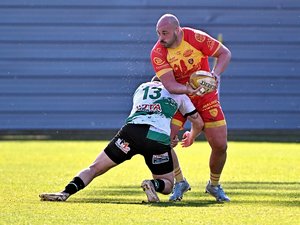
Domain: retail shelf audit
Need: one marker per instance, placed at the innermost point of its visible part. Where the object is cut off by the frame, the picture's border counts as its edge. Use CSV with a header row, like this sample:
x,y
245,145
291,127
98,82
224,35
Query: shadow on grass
x,y
263,185
126,201
262,193
265,193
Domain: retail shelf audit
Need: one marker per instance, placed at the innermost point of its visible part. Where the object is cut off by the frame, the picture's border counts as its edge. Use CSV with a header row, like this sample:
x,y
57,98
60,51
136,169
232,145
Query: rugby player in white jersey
x,y
146,132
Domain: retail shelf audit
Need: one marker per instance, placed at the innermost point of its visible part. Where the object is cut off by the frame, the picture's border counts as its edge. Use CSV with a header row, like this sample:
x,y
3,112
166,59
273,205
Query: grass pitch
x,y
262,180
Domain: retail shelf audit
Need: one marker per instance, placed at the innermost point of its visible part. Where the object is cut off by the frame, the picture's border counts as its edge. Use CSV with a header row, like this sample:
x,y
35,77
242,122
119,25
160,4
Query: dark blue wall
x,y
75,64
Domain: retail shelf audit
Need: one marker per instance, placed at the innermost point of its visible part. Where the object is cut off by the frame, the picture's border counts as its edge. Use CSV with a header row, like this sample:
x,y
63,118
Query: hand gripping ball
x,y
203,79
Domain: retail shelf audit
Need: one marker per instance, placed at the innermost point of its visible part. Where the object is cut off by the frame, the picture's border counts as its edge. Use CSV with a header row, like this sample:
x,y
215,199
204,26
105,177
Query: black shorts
x,y
131,140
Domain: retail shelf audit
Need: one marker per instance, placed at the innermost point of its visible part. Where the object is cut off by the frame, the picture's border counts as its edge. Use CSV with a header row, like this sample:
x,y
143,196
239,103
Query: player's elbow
x,y
223,54
227,54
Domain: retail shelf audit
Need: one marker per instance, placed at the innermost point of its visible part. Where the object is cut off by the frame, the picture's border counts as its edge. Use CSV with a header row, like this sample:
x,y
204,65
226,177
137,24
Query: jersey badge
x,y
213,112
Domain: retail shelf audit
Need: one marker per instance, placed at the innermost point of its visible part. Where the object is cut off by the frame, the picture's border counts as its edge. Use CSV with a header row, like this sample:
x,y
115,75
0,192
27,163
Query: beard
x,y
168,44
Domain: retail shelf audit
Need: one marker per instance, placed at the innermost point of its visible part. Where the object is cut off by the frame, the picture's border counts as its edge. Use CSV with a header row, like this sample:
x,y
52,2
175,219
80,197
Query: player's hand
x,y
175,141
187,139
191,90
216,76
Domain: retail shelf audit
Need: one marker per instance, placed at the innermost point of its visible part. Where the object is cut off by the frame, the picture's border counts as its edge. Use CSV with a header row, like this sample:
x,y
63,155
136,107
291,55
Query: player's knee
x,y
220,147
168,189
167,186
96,169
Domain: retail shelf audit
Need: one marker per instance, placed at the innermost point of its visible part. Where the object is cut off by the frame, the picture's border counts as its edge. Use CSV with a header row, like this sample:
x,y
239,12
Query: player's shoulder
x,y
156,46
189,30
191,33
158,49
194,36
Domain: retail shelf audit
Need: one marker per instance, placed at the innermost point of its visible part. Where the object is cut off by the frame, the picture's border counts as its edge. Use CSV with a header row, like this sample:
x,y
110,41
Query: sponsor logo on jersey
x,y
199,37
158,61
159,159
188,53
156,107
211,105
172,59
122,145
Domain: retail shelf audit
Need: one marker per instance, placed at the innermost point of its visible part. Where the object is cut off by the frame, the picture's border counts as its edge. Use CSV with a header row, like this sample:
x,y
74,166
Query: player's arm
x,y
223,56
188,110
197,125
169,82
174,134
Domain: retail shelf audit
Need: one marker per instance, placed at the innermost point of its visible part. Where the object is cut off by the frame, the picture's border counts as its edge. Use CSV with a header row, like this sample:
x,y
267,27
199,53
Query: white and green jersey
x,y
154,105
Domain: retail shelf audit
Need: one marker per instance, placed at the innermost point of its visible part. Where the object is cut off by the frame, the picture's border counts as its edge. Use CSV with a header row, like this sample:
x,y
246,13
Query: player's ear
x,y
177,30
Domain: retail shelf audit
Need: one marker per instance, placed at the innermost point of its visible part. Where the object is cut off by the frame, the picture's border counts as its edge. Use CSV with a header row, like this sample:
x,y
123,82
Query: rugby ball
x,y
204,80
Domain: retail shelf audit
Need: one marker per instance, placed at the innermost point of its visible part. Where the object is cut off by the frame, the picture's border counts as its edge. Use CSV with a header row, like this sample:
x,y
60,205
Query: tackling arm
x,y
196,129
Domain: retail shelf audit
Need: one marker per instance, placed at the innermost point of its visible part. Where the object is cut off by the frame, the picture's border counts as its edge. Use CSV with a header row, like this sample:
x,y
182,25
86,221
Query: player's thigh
x,y
158,157
102,163
124,144
217,137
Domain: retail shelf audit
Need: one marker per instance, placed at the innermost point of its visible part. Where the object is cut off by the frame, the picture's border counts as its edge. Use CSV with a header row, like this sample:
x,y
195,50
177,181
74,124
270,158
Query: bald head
x,y
168,20
169,31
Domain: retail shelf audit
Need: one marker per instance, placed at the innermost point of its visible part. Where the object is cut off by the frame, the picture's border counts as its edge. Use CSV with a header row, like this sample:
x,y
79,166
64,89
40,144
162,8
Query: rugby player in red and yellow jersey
x,y
178,53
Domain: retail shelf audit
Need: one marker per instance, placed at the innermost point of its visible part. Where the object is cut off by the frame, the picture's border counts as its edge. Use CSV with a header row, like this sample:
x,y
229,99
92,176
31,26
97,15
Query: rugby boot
x,y
217,192
179,189
58,196
149,189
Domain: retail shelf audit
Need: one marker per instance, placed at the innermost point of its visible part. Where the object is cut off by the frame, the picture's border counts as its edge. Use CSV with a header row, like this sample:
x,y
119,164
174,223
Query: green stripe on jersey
x,y
159,137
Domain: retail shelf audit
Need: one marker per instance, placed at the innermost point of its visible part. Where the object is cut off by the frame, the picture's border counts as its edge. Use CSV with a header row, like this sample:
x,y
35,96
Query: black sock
x,y
75,185
159,185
